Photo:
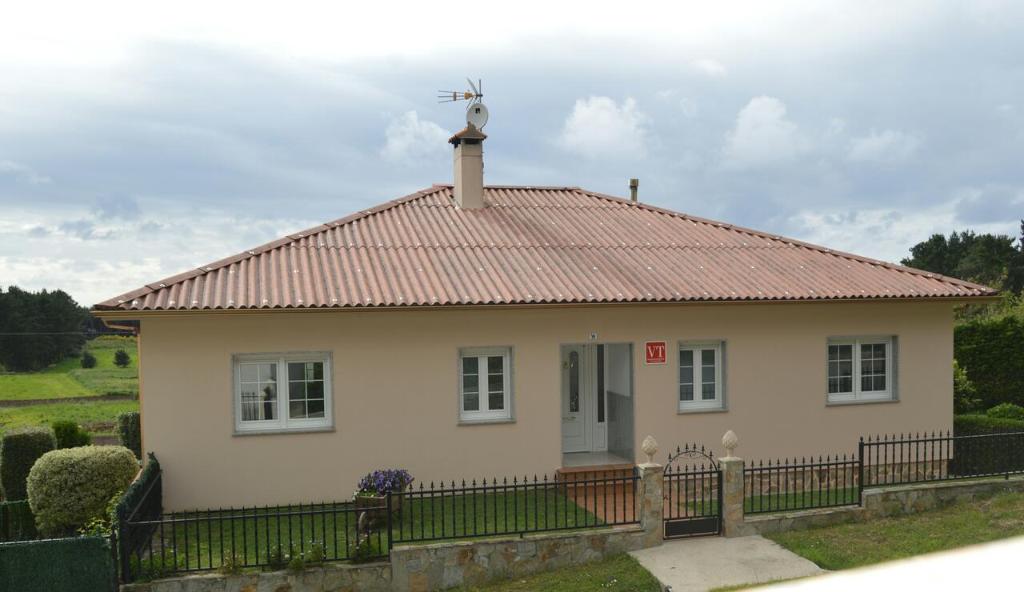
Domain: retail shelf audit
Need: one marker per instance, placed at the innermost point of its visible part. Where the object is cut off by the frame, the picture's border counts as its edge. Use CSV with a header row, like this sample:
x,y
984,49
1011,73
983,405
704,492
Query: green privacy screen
x,y
82,564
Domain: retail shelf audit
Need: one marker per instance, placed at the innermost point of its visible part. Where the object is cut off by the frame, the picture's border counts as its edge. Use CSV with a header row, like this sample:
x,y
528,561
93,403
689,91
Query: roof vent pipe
x,y
634,184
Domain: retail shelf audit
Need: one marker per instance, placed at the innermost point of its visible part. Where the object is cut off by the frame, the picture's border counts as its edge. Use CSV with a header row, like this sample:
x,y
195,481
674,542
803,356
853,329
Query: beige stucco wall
x,y
395,390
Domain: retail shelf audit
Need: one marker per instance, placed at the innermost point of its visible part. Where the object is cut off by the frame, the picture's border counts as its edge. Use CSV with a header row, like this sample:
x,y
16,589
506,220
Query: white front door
x,y
574,394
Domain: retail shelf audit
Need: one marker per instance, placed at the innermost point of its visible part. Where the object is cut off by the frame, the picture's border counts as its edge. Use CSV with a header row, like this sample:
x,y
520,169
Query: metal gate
x,y
693,493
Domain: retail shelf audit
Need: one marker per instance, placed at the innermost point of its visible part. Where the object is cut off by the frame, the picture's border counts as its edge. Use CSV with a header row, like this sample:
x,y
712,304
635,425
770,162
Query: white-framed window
x,y
485,384
861,369
700,375
275,392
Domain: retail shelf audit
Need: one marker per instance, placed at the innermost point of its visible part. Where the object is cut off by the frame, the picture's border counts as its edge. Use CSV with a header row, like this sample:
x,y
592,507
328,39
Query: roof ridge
x,y
792,241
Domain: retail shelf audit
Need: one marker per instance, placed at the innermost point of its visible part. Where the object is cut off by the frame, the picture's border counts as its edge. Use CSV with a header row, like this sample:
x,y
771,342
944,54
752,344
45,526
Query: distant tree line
x,y
38,329
990,259
989,338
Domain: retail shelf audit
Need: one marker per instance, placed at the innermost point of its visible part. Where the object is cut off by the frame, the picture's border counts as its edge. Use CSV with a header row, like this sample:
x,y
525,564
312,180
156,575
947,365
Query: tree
x,y
987,259
88,360
38,328
122,359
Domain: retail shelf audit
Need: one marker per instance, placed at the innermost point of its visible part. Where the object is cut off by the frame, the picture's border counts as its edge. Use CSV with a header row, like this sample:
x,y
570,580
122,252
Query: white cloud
x,y
892,230
410,139
23,172
762,137
888,146
710,67
599,127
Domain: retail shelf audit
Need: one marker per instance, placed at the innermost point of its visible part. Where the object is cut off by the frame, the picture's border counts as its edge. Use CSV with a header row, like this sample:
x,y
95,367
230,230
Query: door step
x,y
595,472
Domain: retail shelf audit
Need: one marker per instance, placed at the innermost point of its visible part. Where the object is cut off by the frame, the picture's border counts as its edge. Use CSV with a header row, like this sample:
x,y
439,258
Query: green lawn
x,y
801,501
41,385
620,572
854,545
203,540
95,416
67,378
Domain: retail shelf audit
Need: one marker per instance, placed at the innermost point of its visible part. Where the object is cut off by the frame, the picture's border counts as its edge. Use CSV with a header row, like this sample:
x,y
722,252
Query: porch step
x,y
593,472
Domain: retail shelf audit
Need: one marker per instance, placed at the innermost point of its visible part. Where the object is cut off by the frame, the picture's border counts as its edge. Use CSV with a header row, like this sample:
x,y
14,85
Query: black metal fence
x,y
792,484
516,506
273,537
919,458
366,529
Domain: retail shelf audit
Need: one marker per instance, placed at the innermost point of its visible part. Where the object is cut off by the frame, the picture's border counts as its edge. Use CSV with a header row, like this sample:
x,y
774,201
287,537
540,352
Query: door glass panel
x,y
574,382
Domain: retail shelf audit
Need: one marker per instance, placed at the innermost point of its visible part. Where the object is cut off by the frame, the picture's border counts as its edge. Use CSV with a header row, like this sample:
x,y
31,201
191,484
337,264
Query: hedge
x,y
130,432
18,452
969,425
58,565
67,488
70,435
990,350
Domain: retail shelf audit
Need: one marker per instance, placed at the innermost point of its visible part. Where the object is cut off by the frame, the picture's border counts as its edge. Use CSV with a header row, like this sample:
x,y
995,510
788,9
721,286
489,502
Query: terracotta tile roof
x,y
530,245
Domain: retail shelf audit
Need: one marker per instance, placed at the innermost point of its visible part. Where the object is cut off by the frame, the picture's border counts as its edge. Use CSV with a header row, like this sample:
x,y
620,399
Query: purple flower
x,y
384,481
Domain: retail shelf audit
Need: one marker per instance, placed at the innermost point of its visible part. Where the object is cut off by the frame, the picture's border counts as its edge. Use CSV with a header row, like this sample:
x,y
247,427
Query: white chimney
x,y
469,167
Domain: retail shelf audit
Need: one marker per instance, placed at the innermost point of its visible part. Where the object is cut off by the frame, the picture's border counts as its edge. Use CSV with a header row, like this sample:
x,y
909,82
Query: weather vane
x,y
476,111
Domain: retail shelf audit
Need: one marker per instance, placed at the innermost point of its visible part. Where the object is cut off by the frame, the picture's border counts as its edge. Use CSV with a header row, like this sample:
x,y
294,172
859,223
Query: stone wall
x,y
331,577
422,568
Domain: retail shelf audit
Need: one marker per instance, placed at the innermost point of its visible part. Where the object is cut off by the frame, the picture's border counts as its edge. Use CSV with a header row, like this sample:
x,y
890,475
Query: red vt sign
x,y
655,352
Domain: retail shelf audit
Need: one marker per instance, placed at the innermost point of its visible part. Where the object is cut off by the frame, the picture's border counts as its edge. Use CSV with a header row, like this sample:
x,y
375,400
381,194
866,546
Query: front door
x,y
574,428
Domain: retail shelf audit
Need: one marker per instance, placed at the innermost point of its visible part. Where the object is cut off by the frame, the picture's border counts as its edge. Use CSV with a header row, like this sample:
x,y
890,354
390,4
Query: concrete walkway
x,y
700,564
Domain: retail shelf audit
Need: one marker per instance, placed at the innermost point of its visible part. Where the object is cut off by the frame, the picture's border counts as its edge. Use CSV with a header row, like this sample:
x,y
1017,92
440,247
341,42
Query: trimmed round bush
x,y
88,360
19,450
1007,411
69,487
70,435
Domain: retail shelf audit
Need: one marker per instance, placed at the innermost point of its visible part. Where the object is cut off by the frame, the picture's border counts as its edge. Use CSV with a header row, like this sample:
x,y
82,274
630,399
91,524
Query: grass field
x,y
68,379
620,572
97,417
854,545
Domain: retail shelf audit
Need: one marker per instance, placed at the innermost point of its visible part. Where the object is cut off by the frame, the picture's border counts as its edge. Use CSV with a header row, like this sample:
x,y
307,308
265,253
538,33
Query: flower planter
x,y
376,507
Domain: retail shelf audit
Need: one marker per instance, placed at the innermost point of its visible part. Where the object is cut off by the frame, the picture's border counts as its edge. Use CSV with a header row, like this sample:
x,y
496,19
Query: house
x,y
470,331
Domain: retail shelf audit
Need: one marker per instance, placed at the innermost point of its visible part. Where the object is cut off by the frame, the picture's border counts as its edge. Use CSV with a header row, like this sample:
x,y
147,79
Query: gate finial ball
x,y
650,448
730,440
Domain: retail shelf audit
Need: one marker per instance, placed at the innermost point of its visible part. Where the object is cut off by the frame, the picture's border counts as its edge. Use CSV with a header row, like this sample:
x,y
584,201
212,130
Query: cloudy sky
x,y
137,143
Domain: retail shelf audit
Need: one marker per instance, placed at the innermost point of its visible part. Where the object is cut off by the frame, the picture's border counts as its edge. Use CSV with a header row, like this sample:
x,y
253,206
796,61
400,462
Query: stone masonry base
x,y
423,568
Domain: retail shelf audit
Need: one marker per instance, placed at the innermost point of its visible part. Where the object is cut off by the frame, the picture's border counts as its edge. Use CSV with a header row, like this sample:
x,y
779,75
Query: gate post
x,y
650,502
732,488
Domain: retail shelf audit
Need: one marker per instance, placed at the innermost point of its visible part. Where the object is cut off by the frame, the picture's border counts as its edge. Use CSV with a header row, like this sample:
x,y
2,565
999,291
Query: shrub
x,y
1007,411
122,359
990,350
969,425
88,360
965,395
70,435
18,452
130,432
68,488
